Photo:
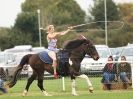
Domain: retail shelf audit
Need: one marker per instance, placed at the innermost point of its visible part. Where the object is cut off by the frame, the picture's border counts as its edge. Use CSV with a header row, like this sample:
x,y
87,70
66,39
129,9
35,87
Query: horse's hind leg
x,y
40,85
29,82
40,82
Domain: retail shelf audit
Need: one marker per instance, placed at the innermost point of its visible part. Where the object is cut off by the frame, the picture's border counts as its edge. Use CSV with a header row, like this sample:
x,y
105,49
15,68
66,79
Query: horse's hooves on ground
x,y
91,90
24,93
46,94
49,95
75,94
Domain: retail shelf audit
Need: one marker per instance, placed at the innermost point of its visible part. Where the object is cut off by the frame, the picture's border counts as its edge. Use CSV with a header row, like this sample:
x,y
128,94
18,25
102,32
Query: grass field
x,y
54,87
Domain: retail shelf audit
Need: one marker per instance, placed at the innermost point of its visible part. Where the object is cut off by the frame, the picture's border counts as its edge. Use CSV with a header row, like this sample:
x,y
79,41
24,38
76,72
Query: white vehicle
x,y
88,65
128,53
6,58
18,52
116,52
38,49
7,61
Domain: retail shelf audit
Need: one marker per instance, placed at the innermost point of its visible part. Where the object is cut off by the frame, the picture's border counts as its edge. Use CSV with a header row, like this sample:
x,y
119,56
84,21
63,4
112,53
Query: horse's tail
x,y
18,70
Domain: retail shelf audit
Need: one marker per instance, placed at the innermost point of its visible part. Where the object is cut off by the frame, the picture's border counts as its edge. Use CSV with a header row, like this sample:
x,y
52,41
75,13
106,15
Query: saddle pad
x,y
45,57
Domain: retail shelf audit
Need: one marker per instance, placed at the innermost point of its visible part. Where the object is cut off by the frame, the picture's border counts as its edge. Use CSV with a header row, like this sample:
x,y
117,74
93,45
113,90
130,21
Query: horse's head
x,y
84,44
90,49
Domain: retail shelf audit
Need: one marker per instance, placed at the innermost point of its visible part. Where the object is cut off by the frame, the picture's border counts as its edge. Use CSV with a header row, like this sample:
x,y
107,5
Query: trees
x,y
63,13
57,12
26,24
98,14
121,12
126,12
4,38
113,14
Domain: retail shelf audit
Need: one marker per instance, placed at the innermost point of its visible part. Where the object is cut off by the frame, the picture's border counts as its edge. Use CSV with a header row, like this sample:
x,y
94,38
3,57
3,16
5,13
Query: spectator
x,y
108,73
2,75
124,72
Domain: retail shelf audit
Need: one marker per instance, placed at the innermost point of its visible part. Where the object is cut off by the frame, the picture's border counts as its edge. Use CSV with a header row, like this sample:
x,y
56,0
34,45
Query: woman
x,y
52,44
108,73
124,70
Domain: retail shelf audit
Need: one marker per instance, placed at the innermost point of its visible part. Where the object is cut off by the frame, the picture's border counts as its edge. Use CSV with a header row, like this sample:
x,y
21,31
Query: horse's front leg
x,y
88,82
73,84
73,74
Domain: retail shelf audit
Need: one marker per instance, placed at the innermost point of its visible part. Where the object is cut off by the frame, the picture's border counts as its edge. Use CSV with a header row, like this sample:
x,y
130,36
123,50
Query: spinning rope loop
x,y
121,24
75,28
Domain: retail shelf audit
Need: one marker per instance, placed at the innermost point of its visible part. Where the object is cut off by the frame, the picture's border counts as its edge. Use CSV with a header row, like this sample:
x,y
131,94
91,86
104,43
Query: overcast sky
x,y
10,8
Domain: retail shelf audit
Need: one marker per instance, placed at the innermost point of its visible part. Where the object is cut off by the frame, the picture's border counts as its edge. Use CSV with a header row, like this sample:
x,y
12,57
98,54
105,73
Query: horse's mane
x,y
74,43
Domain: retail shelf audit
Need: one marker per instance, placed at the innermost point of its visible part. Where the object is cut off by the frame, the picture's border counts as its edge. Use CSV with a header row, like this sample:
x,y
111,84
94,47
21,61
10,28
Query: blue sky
x,y
10,8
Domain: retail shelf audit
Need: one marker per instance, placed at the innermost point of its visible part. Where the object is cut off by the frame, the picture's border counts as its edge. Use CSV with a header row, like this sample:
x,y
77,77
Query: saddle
x,y
62,56
45,57
63,60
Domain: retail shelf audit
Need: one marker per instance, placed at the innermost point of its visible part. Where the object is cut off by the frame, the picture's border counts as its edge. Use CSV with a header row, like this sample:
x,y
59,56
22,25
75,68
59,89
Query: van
x,y
7,61
38,49
90,66
128,53
18,51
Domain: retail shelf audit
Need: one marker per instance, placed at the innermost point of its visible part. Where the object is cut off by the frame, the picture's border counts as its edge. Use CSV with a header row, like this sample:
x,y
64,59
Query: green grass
x,y
54,87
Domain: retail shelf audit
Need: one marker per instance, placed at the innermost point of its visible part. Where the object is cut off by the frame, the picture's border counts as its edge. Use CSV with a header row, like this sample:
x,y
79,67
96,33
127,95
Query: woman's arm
x,y
56,34
65,32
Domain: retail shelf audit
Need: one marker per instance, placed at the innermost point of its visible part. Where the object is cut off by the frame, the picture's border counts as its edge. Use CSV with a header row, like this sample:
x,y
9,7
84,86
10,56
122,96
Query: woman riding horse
x,y
52,46
77,50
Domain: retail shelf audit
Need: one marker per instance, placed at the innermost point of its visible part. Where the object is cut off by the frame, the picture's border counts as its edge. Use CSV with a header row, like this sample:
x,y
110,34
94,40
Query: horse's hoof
x,y
91,89
25,93
46,94
75,94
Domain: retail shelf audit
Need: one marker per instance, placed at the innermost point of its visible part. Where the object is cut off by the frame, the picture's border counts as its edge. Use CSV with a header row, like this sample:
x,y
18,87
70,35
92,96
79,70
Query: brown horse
x,y
76,49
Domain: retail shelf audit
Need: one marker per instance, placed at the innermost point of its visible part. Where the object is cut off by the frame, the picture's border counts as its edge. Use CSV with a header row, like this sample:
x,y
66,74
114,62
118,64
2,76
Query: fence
x,y
8,72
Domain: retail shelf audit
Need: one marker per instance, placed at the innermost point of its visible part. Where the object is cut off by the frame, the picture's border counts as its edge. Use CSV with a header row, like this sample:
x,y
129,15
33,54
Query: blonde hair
x,y
49,28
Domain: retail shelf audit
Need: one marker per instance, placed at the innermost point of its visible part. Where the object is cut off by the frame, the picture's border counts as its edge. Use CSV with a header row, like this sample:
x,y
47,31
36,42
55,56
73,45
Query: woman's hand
x,y
71,27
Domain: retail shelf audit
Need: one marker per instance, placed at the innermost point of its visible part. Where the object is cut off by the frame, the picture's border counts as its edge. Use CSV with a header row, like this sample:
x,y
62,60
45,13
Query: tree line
x,y
64,13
